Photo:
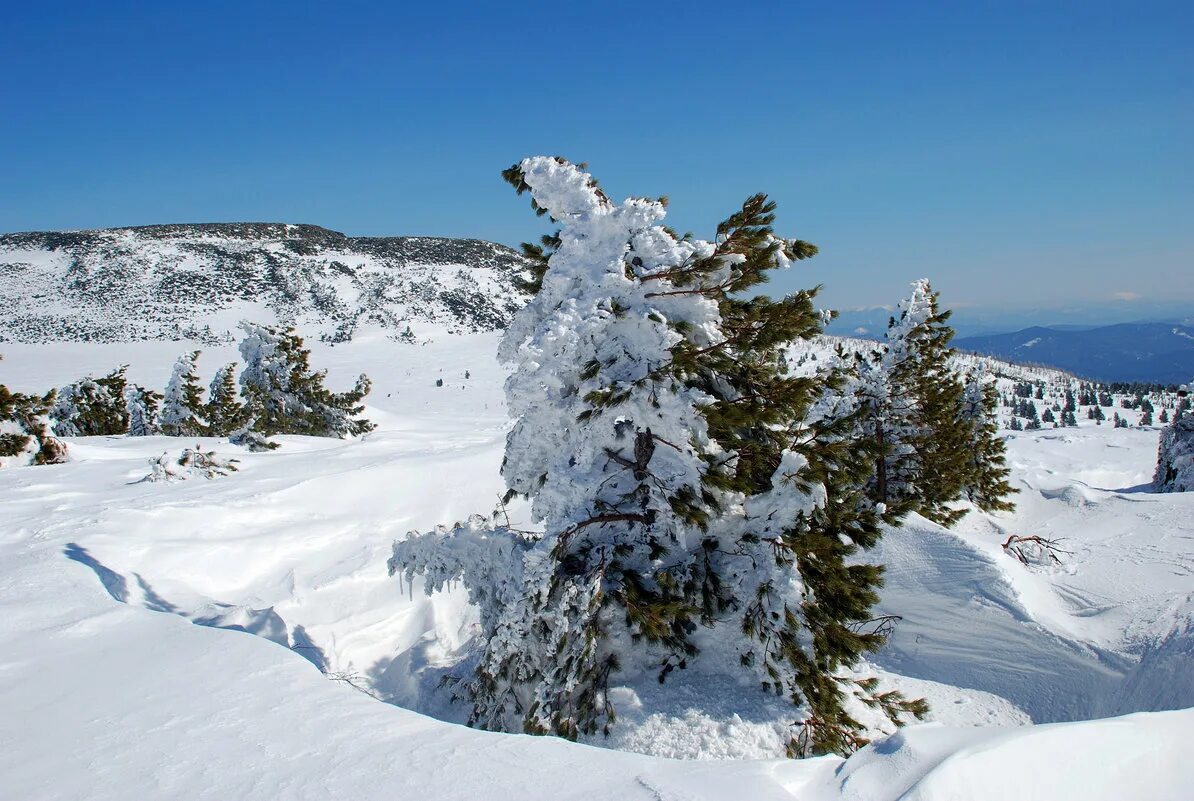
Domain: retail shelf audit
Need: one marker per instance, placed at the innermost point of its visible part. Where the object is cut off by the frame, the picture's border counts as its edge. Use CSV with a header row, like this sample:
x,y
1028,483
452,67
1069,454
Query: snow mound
x,y
1138,757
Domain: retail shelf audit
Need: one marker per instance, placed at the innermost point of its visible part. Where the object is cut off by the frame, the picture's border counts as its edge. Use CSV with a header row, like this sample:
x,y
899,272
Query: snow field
x,y
109,691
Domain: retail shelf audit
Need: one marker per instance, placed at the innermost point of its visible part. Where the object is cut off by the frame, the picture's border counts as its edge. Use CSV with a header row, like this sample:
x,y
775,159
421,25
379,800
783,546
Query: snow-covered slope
x,y
129,670
1109,630
196,281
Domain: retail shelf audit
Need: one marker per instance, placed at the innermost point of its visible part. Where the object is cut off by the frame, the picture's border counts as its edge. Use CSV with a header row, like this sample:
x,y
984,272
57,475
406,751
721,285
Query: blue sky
x,y
1019,154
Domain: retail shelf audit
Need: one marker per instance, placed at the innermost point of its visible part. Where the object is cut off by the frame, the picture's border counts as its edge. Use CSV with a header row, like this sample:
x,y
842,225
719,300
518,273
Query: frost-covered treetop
x,y
595,238
614,247
621,292
914,311
597,331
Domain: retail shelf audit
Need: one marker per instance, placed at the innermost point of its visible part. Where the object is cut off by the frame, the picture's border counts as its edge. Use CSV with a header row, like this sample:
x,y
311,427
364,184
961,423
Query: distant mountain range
x,y
197,281
1151,352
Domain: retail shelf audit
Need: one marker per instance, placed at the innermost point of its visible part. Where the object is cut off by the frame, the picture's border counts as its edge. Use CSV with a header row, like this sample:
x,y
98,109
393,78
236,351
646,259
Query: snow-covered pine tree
x,y
14,439
92,406
142,405
986,484
1034,421
1146,411
914,402
284,396
1175,456
182,403
25,429
688,494
224,412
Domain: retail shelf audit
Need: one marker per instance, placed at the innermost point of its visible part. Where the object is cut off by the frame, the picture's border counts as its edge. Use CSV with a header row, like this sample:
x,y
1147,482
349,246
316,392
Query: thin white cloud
x,y
1126,295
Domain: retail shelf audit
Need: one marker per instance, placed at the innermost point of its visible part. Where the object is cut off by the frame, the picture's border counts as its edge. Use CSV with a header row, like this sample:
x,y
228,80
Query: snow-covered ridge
x,y
195,282
809,354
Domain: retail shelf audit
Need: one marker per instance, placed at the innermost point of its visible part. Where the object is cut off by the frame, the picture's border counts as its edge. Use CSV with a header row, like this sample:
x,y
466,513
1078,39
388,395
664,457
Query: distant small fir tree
x,y
986,483
914,404
224,412
142,405
1030,414
182,403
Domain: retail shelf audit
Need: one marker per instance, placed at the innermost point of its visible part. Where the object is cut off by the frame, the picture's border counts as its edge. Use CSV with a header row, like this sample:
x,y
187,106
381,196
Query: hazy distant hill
x,y
1161,352
196,282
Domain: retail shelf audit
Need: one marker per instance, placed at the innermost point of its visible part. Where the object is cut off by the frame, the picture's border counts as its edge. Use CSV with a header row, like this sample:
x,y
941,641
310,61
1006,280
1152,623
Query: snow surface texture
x,y
109,691
197,281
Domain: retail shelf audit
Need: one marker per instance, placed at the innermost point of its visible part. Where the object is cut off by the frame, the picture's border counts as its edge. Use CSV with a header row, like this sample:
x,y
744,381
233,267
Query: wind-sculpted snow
x,y
195,282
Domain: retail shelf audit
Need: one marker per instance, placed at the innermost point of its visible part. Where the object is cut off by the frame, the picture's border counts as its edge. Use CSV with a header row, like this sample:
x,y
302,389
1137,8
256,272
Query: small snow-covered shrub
x,y
1034,550
92,407
252,441
1175,456
25,430
189,463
